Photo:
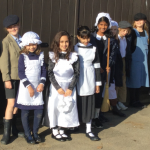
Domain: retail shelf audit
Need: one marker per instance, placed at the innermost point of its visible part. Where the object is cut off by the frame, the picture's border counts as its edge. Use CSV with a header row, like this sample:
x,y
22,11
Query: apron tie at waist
x,y
86,64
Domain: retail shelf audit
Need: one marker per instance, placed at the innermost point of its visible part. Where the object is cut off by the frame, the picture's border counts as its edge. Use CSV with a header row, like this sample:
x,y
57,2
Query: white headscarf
x,y
114,23
30,37
102,14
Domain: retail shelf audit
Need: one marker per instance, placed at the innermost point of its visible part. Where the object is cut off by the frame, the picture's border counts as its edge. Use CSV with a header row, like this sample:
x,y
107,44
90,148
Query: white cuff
x,y
98,83
25,79
97,65
43,78
28,85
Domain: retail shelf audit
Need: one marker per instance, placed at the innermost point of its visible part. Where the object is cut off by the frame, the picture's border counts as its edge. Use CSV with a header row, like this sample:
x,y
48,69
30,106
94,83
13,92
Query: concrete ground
x,y
130,133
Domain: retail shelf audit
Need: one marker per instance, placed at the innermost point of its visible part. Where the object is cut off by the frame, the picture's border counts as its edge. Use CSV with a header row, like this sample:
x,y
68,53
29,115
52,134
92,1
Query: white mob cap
x,y
102,14
30,38
114,23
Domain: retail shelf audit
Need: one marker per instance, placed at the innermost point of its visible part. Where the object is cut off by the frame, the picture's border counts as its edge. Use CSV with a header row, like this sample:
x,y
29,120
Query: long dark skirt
x,y
86,108
45,120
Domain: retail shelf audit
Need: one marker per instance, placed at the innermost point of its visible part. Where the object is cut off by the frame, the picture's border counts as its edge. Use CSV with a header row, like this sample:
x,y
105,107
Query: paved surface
x,y
130,133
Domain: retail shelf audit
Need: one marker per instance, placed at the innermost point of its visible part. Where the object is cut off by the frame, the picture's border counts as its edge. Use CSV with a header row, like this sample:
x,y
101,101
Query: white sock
x,y
97,110
55,132
88,129
62,133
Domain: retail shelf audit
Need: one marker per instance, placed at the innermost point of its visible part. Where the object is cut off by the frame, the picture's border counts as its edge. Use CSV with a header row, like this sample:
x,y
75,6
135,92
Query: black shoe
x,y
96,123
68,138
117,112
37,138
15,131
94,138
29,140
7,131
138,105
103,119
58,139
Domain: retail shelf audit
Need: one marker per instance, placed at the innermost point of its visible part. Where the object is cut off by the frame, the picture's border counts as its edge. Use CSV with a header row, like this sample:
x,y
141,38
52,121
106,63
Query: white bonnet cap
x,y
30,37
102,14
114,23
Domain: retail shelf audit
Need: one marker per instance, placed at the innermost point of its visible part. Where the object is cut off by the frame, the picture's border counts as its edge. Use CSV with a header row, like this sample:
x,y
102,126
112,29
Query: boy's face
x,y
13,29
114,30
84,41
31,47
139,23
64,43
123,32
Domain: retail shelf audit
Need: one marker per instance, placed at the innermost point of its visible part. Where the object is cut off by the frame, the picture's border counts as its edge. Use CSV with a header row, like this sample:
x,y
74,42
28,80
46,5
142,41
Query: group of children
x,y
77,75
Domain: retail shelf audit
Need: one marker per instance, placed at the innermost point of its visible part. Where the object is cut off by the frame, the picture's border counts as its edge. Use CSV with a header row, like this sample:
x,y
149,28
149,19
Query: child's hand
x,y
40,88
68,93
61,91
31,91
108,69
97,89
101,70
8,85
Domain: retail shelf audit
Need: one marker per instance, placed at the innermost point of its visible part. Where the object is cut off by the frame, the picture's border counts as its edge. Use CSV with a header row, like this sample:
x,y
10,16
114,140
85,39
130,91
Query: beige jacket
x,y
9,59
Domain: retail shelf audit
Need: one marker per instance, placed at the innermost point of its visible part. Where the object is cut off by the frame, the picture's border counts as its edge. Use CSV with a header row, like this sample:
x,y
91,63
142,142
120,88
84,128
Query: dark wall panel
x,y
118,10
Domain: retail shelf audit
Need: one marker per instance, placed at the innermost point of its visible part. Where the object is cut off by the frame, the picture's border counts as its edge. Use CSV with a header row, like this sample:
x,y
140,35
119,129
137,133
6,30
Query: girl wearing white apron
x,y
32,74
89,80
63,72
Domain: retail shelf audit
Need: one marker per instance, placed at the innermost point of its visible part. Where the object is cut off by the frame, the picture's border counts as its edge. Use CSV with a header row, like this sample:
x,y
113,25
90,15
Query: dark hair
x,y
37,51
55,45
108,32
84,32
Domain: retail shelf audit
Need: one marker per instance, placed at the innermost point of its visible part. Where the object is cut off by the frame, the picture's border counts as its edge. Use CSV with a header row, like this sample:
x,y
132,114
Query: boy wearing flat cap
x,y
9,68
124,43
139,75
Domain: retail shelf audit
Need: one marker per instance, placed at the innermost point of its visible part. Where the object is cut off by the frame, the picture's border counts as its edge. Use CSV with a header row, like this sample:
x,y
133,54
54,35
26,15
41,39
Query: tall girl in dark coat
x,y
100,39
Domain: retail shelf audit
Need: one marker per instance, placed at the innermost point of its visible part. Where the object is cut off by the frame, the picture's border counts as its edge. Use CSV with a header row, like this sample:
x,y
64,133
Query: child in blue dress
x,y
139,75
32,74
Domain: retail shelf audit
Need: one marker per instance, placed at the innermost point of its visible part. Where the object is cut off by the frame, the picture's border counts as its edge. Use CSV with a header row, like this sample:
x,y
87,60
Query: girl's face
x,y
13,29
114,30
64,43
31,47
139,23
123,32
102,26
84,41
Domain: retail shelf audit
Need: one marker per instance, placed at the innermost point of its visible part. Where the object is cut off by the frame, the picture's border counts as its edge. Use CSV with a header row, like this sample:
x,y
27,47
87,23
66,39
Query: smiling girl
x,y
139,75
63,72
100,39
32,73
89,80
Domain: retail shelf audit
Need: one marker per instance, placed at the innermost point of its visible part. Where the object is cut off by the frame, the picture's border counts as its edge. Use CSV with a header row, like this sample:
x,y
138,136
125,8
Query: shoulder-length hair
x,y
56,42
145,27
37,51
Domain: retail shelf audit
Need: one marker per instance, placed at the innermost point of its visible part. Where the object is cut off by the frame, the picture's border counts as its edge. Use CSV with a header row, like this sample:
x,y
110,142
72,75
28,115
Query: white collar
x,y
120,38
80,44
98,37
64,52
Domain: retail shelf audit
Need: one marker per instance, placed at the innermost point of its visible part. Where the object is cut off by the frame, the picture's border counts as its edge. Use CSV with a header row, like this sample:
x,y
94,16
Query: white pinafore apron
x,y
33,73
63,72
86,83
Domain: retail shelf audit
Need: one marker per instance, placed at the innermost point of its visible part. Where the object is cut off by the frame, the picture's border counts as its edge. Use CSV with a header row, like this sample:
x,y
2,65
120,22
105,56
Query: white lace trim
x,y
30,104
41,57
52,56
72,58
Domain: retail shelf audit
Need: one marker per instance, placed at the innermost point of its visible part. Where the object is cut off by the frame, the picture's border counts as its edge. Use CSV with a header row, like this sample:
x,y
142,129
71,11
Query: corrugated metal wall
x,y
47,17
